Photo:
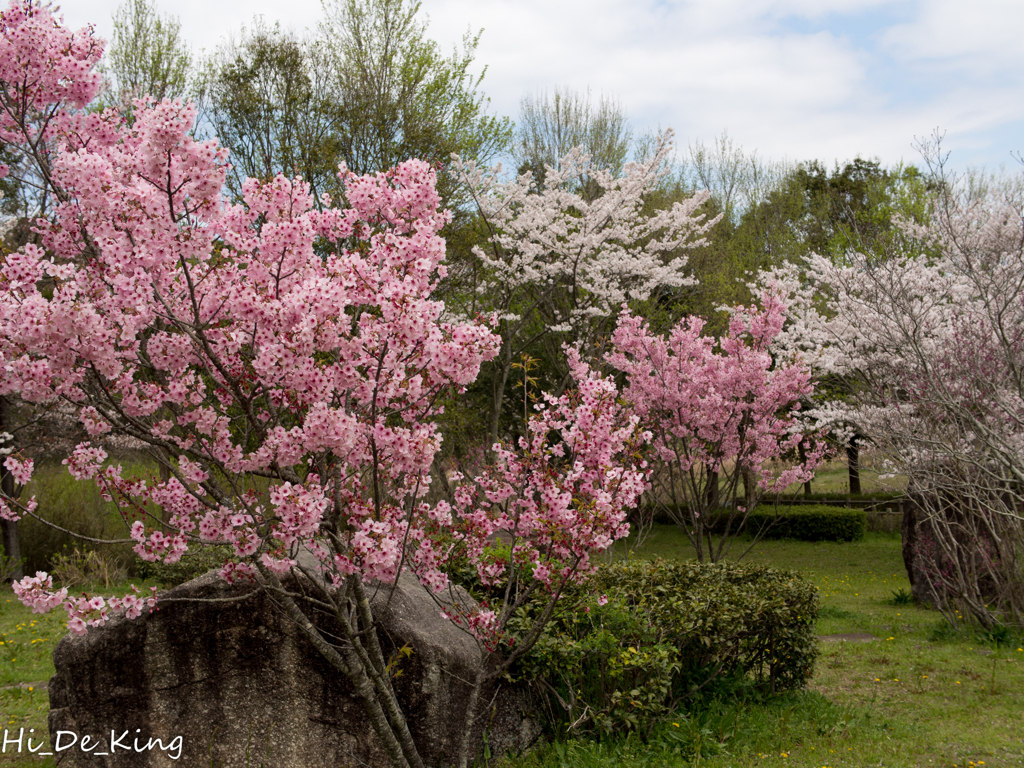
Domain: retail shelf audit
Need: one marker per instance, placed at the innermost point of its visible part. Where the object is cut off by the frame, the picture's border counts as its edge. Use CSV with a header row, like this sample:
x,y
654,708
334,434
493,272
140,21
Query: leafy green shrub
x,y
815,522
193,564
668,631
882,507
806,522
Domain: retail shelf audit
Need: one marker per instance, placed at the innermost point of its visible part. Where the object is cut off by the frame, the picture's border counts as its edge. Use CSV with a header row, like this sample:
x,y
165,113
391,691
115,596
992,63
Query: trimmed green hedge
x,y
809,522
669,630
805,522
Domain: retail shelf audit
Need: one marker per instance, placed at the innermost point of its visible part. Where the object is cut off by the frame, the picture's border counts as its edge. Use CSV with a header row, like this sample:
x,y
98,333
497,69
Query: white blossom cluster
x,y
929,343
576,257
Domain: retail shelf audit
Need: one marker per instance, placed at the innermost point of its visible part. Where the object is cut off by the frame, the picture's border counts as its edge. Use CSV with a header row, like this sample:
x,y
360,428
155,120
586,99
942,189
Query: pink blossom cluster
x,y
132,604
42,64
37,593
84,612
716,403
20,469
85,462
158,545
559,497
482,624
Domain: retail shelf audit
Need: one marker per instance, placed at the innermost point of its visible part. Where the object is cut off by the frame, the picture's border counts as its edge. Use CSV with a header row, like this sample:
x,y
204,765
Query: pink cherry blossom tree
x,y
25,79
282,360
723,413
933,337
559,263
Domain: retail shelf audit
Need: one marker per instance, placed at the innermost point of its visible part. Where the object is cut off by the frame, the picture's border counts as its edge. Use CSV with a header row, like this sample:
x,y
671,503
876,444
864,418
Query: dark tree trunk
x,y
9,528
12,549
712,491
803,459
853,461
749,489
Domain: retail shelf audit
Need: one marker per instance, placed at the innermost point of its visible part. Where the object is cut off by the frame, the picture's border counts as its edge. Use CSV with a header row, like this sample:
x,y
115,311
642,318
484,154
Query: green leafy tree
x,y
773,213
367,88
270,98
147,54
403,98
856,207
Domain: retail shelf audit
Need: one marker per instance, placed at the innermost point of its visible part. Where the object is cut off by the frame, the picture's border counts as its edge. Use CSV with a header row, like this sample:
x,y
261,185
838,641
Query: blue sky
x,y
791,79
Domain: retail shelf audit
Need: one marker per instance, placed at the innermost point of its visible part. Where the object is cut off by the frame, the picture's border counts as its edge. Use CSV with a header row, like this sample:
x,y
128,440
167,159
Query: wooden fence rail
x,y
879,506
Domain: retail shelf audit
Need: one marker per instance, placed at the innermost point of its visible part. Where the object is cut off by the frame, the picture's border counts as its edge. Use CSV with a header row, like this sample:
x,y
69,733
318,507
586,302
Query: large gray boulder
x,y
221,684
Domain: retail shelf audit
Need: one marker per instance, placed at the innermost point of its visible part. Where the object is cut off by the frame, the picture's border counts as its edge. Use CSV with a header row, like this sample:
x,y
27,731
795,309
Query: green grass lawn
x,y
918,695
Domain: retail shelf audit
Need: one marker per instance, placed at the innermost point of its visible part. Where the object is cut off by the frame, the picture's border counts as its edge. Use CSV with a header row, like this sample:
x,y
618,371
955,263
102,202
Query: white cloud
x,y
979,38
800,79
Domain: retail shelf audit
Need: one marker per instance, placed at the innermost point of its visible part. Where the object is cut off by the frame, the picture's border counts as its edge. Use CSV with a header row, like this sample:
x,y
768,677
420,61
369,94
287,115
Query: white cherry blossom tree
x,y
934,338
559,266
